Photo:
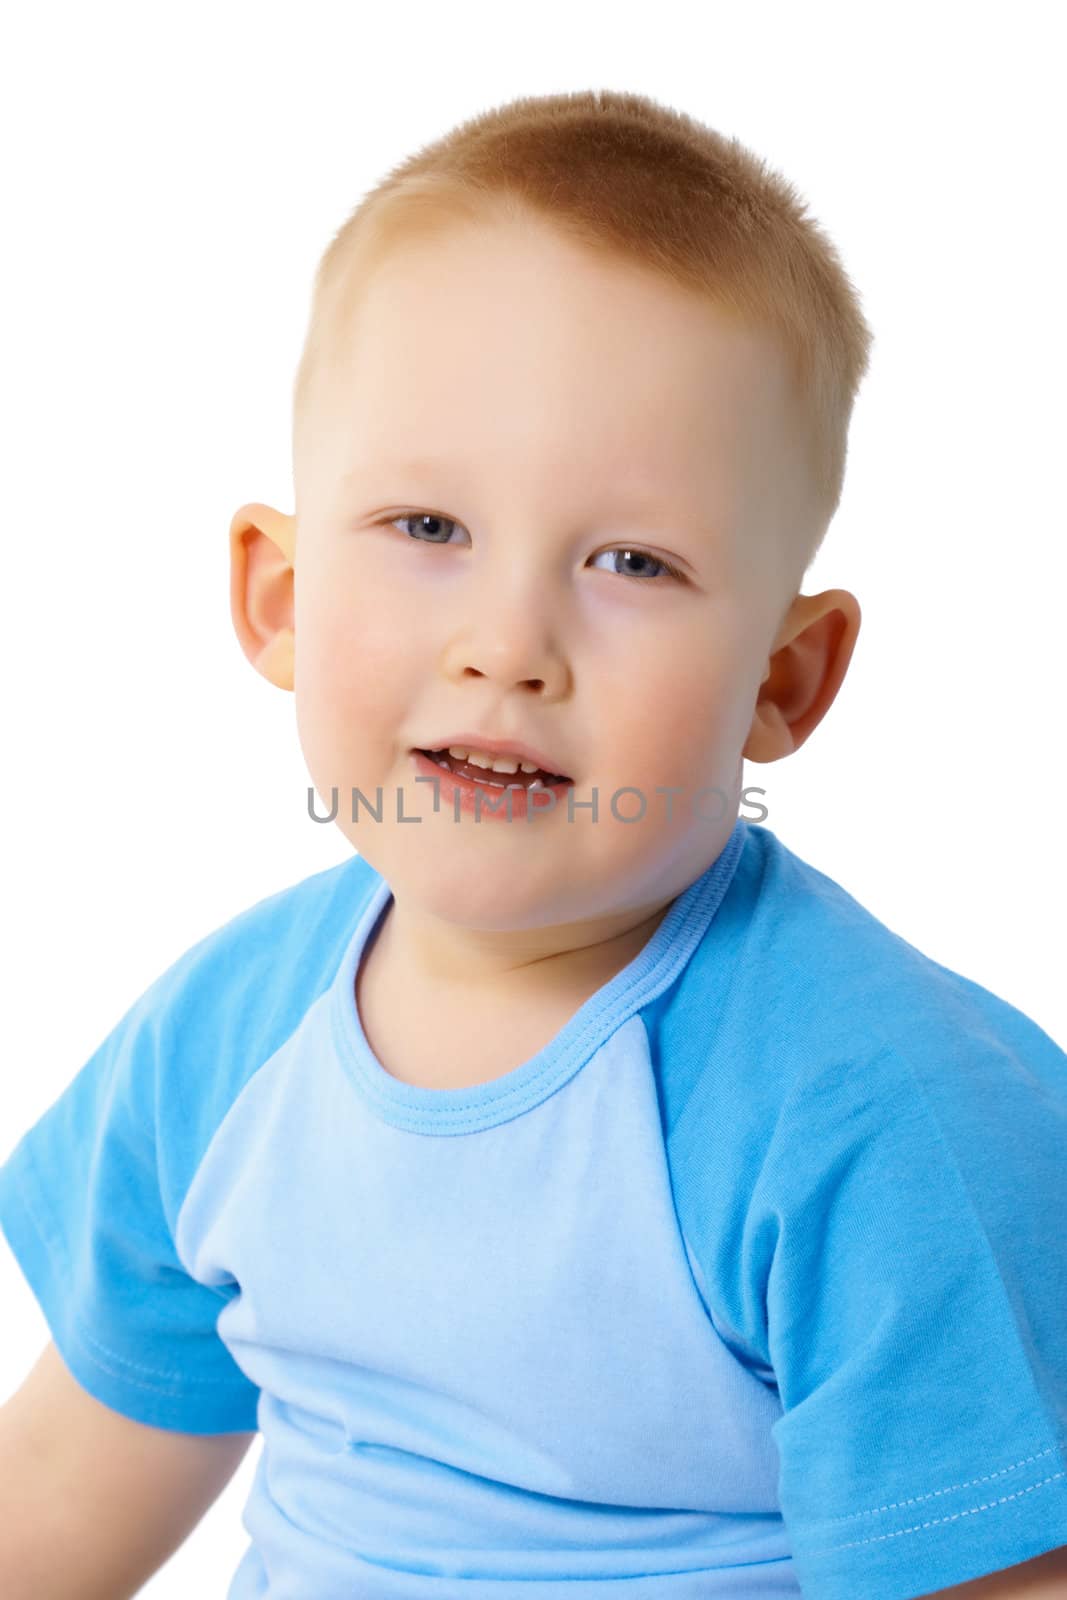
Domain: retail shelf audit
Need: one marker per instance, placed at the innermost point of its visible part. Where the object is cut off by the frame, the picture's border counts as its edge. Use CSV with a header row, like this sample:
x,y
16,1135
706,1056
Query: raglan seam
x,y
738,965
203,1121
36,1209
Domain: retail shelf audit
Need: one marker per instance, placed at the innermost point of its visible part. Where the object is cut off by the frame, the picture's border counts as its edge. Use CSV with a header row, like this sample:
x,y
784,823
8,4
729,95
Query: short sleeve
x,y
916,1306
88,1201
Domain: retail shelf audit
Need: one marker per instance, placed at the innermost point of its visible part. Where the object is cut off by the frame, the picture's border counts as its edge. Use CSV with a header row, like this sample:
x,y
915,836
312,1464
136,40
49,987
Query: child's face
x,y
551,408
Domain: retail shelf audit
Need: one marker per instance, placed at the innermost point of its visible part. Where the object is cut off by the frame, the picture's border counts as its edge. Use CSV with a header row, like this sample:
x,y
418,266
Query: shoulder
x,y
174,1063
818,978
282,946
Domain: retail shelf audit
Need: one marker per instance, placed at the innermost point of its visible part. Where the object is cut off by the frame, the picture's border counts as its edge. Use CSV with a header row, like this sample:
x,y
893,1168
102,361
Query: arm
x,y
1043,1578
91,1502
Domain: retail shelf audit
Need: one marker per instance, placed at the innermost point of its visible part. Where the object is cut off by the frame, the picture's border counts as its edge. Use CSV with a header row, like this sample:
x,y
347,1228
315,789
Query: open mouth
x,y
495,780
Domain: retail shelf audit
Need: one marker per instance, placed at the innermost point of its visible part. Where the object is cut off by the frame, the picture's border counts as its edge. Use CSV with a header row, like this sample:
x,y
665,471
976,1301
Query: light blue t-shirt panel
x,y
512,1379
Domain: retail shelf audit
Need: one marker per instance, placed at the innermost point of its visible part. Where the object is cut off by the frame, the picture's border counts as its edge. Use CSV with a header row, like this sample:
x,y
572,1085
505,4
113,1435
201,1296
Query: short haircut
x,y
619,173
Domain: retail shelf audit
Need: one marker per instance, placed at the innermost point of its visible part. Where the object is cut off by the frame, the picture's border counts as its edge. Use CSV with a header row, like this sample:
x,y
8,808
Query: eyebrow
x,y
416,466
636,500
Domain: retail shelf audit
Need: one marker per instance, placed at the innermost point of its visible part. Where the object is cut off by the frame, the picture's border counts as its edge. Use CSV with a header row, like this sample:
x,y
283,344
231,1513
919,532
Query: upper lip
x,y
497,747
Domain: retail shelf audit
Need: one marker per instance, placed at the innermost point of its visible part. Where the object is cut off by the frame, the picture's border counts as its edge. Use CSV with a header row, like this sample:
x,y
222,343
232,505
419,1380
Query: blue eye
x,y
437,521
425,516
640,555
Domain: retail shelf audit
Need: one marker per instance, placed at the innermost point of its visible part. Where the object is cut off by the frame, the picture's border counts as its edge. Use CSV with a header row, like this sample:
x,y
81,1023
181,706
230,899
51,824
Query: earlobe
x,y
262,554
276,661
804,673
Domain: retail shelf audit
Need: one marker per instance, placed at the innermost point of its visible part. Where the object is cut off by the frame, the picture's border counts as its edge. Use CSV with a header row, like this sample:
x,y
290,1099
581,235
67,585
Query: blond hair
x,y
618,172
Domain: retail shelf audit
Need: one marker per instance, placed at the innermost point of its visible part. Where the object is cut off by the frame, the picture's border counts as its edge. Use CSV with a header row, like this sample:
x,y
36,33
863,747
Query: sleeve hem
x,y
980,1535
138,1392
983,1489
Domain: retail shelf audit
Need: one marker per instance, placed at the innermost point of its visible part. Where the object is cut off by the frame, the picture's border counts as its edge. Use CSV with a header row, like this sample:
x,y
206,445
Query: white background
x,y
172,176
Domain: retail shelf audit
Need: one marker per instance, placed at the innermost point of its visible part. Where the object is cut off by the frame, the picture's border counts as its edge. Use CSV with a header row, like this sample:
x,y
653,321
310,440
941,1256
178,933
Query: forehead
x,y
508,341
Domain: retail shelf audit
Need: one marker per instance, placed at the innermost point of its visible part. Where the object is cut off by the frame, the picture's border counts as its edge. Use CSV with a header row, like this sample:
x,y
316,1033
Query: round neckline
x,y
418,1109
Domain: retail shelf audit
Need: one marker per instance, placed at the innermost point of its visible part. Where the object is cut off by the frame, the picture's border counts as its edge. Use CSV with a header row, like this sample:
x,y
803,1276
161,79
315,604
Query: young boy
x,y
573,1186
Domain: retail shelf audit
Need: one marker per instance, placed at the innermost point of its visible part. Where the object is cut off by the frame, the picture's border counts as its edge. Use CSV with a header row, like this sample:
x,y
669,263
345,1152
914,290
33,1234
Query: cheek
x,y
687,716
352,661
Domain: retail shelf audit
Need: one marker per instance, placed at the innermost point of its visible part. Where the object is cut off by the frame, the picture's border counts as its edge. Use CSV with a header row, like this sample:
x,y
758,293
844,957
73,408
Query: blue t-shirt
x,y
752,1283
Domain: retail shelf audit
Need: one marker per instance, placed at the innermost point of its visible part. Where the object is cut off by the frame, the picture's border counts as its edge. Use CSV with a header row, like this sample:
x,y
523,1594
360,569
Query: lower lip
x,y
492,806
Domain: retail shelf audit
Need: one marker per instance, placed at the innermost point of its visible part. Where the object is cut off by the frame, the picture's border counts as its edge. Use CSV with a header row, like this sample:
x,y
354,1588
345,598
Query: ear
x,y
262,556
806,668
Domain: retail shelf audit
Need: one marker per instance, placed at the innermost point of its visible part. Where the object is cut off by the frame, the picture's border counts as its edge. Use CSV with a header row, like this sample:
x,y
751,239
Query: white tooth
x,y
482,758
